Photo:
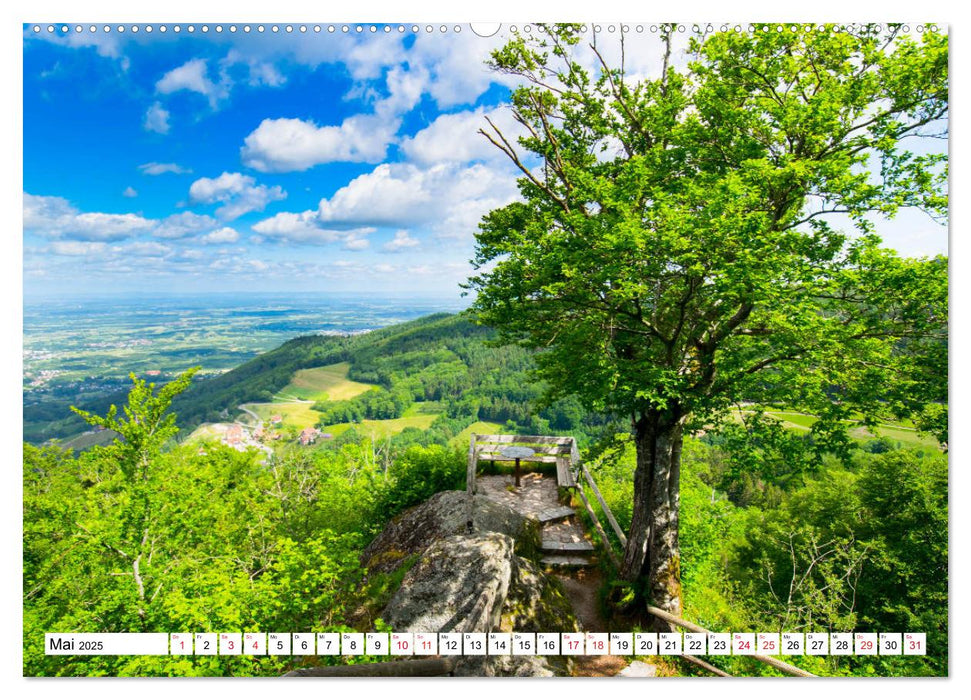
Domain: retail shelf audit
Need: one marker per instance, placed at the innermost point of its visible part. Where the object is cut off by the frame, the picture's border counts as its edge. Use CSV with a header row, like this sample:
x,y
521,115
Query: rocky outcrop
x,y
484,582
459,585
535,602
442,515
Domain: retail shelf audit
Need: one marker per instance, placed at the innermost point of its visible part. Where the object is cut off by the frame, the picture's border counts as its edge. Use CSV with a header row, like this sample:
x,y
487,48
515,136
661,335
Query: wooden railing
x,y
691,627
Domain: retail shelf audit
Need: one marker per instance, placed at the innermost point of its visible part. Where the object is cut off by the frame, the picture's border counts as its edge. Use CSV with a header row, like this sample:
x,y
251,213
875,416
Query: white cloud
x,y
356,242
162,168
129,192
284,145
157,119
223,235
400,241
149,249
455,137
77,248
55,217
456,66
447,197
239,194
193,77
304,227
259,72
181,225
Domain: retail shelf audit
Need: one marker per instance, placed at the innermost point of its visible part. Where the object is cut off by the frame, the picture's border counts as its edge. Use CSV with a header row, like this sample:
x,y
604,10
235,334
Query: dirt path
x,y
581,589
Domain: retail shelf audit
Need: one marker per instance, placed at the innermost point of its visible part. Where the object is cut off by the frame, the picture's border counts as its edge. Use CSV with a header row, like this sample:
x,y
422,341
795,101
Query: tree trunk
x,y
652,558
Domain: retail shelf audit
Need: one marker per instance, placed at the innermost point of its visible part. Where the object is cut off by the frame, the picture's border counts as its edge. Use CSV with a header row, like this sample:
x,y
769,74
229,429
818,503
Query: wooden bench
x,y
547,449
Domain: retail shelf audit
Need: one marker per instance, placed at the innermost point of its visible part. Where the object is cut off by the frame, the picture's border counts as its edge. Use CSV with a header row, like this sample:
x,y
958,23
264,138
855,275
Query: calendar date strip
x,y
398,644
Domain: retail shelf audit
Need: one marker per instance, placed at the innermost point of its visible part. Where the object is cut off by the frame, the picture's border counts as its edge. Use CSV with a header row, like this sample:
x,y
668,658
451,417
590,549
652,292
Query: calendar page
x,y
418,349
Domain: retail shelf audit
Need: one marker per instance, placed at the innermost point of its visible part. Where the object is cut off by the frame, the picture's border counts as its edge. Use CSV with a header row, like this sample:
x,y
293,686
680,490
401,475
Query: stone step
x,y
553,546
553,514
565,560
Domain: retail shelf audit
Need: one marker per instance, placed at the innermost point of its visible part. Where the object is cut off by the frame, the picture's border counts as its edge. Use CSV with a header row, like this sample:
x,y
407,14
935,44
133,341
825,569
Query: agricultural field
x,y
906,435
379,429
479,427
297,414
328,383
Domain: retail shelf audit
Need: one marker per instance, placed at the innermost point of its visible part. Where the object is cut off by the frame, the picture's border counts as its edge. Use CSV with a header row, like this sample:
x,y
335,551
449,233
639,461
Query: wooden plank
x,y
528,439
418,667
603,505
558,513
470,468
774,663
564,477
550,546
565,560
596,524
550,450
545,459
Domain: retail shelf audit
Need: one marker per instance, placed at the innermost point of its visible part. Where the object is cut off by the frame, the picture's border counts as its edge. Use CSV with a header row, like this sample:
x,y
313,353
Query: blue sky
x,y
272,162
318,161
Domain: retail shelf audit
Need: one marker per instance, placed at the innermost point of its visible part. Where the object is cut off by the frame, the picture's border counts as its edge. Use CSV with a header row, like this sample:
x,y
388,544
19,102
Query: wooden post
x,y
470,487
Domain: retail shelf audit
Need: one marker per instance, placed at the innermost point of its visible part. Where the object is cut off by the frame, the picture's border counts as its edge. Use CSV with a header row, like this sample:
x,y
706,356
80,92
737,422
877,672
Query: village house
x,y
308,436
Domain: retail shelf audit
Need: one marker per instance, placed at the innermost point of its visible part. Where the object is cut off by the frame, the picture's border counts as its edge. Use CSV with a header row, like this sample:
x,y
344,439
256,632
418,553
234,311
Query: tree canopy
x,y
674,252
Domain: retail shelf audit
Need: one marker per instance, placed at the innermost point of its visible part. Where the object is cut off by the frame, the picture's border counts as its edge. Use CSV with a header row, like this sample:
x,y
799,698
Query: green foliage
x,y
147,424
672,253
860,545
202,539
419,473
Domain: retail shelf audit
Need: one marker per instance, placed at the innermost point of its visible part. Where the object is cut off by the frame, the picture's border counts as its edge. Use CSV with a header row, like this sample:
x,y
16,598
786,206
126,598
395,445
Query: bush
x,y
418,474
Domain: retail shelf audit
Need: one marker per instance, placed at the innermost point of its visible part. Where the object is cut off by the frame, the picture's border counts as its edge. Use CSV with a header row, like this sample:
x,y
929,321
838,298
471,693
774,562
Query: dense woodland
x,y
777,533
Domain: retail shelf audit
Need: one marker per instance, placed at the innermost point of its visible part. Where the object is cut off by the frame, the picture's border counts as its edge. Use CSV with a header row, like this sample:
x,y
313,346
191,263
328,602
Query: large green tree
x,y
673,252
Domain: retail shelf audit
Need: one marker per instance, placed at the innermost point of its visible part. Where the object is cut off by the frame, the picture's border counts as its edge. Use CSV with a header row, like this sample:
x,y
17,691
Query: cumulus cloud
x,y
258,72
304,227
55,217
157,119
129,192
77,248
181,225
284,145
455,63
192,76
223,235
162,168
447,197
356,242
454,138
238,193
400,241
